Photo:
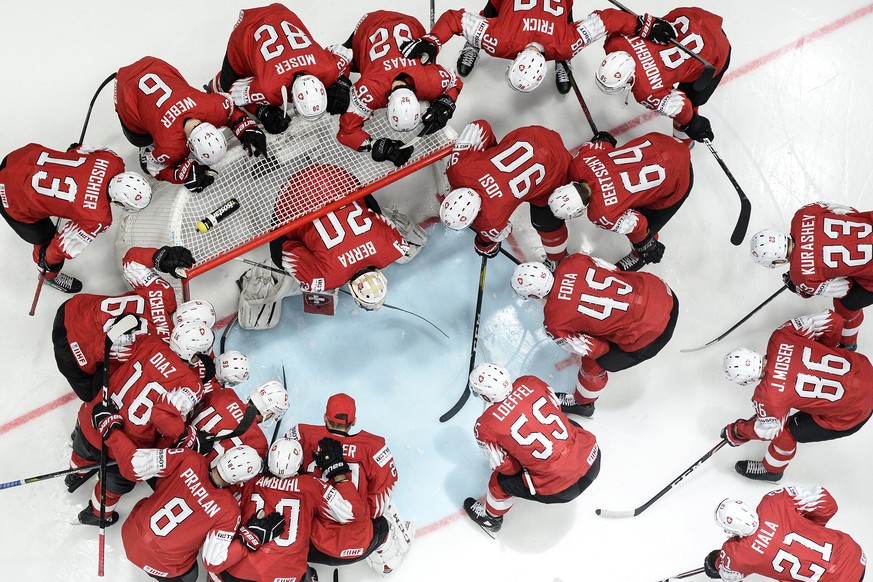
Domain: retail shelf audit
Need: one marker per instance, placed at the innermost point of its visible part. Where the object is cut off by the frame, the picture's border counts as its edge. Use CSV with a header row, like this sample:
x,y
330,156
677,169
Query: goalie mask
x,y
130,190
369,289
404,112
309,96
191,338
743,366
239,464
769,248
532,280
460,208
615,72
195,310
231,368
570,201
490,382
284,458
527,70
207,144
736,518
271,400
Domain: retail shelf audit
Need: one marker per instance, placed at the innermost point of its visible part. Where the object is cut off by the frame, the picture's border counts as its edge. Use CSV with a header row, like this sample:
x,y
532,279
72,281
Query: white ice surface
x,y
792,126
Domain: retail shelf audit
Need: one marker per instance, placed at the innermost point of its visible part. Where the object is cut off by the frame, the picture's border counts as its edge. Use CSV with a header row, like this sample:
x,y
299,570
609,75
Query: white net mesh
x,y
295,180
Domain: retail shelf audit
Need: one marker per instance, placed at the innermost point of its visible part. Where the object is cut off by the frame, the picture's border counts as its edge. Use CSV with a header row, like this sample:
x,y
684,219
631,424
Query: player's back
x,y
529,425
379,35
220,413
701,32
629,309
520,23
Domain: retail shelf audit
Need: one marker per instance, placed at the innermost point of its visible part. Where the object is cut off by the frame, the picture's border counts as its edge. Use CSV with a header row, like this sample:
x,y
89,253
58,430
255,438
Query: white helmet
x,y
736,518
239,464
532,280
404,112
369,289
195,310
490,382
743,366
130,190
615,72
567,202
460,208
309,96
284,458
769,248
231,368
527,70
271,400
207,144
191,338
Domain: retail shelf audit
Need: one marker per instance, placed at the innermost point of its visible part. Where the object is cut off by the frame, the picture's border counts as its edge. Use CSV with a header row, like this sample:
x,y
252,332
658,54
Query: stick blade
x,y
609,514
122,326
742,222
697,349
458,405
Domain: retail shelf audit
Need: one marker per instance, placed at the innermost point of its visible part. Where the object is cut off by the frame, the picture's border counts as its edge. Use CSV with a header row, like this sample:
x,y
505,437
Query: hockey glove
x,y
250,136
731,433
655,29
339,95
421,49
167,259
485,247
836,287
272,118
329,458
198,441
199,178
438,114
43,263
604,136
261,530
650,249
698,128
786,279
391,150
106,419
709,567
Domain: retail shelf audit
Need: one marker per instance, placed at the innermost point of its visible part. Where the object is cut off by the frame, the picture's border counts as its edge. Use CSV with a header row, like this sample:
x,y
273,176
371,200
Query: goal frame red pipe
x,y
242,249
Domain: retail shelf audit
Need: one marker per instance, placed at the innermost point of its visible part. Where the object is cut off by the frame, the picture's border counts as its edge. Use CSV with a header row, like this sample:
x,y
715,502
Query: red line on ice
x,y
37,412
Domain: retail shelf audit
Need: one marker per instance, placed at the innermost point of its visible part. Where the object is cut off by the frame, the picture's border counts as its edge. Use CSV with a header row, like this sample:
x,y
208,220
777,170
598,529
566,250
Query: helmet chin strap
x,y
284,100
628,88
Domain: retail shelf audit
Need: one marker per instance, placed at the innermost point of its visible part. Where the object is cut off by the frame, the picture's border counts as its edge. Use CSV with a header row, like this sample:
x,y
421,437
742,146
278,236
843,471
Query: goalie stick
x,y
737,324
687,574
745,206
466,394
635,512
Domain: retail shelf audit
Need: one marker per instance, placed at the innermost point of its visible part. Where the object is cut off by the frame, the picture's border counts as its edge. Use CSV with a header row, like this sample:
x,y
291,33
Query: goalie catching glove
x,y
329,458
261,530
167,259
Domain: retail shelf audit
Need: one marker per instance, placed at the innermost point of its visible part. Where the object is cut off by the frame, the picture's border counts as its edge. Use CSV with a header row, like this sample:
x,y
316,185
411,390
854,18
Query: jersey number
x,y
673,57
165,520
834,255
551,6
810,386
604,305
53,188
379,40
290,510
151,83
519,154
560,433
297,39
140,410
649,176
358,227
815,570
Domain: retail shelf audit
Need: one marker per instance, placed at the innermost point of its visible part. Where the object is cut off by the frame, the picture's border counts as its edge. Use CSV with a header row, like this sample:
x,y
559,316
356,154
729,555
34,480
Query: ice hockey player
x,y
190,510
829,253
390,80
613,320
79,185
154,390
231,368
663,78
492,179
633,190
530,34
80,326
555,467
785,538
831,389
304,501
385,541
272,60
167,119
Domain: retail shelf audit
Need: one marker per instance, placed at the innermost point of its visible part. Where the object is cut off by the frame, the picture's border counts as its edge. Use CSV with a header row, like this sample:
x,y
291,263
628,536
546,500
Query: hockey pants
x,y
850,309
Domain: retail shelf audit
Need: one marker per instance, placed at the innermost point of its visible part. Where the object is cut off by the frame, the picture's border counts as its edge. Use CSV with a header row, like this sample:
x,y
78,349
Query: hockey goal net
x,y
296,183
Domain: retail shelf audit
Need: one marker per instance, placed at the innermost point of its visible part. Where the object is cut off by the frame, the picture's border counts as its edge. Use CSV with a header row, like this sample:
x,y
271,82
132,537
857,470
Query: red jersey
x,y
806,372
304,501
154,390
526,431
39,183
831,241
526,166
271,45
375,46
165,531
327,252
792,542
220,413
86,316
592,305
523,23
659,69
651,171
152,97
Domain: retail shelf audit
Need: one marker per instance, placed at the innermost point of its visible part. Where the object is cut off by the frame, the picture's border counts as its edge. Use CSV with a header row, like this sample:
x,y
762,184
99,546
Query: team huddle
x,y
158,401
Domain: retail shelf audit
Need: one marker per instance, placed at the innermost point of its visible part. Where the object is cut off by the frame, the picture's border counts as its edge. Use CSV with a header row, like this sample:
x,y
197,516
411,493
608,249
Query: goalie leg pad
x,y
260,299
389,555
414,235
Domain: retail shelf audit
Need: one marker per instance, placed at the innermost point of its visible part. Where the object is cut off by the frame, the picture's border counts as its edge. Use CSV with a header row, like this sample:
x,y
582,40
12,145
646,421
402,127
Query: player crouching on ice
x,y
349,245
555,467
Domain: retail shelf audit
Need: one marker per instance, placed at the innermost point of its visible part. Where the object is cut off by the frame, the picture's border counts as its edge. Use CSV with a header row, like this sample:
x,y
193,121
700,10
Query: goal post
x,y
273,199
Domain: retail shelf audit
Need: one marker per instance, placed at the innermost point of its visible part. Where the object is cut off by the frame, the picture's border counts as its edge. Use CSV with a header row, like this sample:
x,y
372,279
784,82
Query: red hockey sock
x,y
497,503
780,452
555,243
852,320
590,380
111,500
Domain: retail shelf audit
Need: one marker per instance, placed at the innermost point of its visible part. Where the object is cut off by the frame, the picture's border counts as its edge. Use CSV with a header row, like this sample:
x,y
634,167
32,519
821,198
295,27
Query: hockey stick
x,y
38,291
737,324
91,106
223,342
635,512
466,394
581,99
745,206
244,424
285,386
119,328
432,14
687,574
29,480
509,256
